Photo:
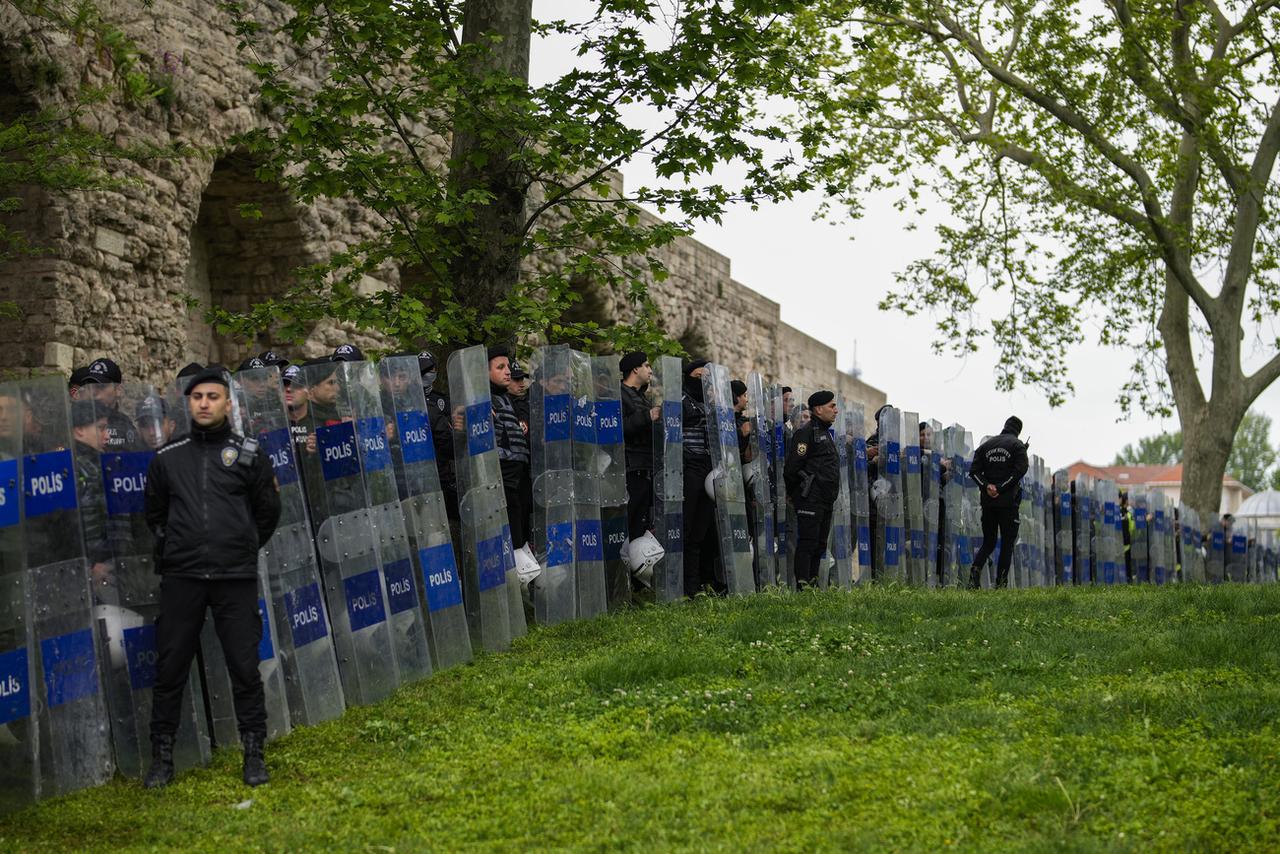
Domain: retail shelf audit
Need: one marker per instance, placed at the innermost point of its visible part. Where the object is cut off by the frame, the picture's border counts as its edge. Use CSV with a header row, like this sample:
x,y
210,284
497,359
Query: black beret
x,y
737,388
212,374
821,398
630,362
499,351
695,364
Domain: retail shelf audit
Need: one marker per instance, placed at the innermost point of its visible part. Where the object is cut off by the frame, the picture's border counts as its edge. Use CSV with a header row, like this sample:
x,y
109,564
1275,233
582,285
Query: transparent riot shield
x,y
551,415
971,514
1160,559
668,480
295,624
348,545
782,529
591,584
912,501
481,500
955,570
1082,526
730,492
1050,509
433,580
1140,538
1064,535
1237,548
74,734
931,481
859,493
377,433
886,492
840,543
19,733
1110,569
757,474
612,478
125,587
1188,546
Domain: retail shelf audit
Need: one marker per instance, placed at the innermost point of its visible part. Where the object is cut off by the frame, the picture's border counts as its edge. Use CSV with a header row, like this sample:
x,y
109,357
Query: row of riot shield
x,y
732,521
840,542
758,475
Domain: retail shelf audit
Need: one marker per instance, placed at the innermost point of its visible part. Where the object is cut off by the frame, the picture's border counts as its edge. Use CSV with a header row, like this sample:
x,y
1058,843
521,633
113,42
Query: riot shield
x,y
354,586
1047,499
1216,560
588,545
434,578
125,587
1082,526
481,500
859,493
886,492
782,529
931,481
19,742
1020,567
1159,538
971,515
74,735
756,473
668,480
797,415
912,498
730,492
1140,538
955,552
611,478
1110,570
1237,548
1188,546
840,543
551,414
295,621
1064,535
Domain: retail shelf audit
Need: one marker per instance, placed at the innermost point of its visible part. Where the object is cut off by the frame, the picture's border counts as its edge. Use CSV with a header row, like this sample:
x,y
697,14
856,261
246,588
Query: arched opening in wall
x,y
237,261
595,304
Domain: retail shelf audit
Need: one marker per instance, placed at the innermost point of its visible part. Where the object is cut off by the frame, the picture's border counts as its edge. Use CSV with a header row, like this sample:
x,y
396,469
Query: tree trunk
x,y
487,267
1206,446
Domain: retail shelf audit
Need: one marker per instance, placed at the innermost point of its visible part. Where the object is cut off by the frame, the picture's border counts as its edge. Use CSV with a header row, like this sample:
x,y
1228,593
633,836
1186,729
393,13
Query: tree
x,y
1110,163
496,195
1252,454
1162,449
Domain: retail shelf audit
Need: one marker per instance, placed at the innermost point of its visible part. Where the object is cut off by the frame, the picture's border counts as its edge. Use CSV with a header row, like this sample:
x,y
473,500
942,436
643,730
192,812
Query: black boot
x,y
1002,578
975,578
161,771
255,766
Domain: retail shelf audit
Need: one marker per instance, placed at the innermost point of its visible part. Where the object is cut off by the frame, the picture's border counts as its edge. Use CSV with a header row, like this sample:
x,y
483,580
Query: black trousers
x,y
813,528
518,488
234,604
639,502
700,545
1004,521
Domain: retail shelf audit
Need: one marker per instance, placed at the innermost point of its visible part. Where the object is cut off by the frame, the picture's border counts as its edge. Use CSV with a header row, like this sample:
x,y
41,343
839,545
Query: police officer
x,y
812,474
512,439
638,418
101,383
212,502
998,467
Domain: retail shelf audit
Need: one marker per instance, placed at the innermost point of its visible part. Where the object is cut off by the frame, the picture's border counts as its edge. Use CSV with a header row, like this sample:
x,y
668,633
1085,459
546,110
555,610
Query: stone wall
x,y
127,272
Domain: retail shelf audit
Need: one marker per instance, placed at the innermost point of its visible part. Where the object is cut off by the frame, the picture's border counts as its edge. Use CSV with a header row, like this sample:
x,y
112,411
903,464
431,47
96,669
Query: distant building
x,y
1263,508
1165,479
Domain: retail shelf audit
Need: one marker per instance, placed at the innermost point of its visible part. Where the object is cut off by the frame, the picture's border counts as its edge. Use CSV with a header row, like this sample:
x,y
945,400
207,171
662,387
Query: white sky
x,y
828,279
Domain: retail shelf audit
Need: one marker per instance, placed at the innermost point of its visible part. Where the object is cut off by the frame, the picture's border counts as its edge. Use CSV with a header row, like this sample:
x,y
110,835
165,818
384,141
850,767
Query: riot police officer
x,y
812,475
212,502
998,467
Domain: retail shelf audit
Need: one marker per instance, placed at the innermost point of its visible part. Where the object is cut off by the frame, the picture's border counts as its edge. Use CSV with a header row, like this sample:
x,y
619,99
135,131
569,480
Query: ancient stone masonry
x,y
127,272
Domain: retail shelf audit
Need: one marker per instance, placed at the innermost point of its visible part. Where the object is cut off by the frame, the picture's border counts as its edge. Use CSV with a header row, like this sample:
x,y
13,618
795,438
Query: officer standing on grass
x,y
998,467
212,502
812,474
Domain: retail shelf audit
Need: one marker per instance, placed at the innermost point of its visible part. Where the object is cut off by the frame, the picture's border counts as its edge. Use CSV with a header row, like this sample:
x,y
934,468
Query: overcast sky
x,y
828,279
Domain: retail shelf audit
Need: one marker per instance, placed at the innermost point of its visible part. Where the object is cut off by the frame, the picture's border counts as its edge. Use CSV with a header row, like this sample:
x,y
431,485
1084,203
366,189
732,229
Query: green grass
x,y
877,719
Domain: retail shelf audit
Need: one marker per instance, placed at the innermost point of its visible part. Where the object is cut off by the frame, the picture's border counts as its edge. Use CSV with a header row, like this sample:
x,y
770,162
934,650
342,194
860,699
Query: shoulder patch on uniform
x,y
229,455
802,449
440,404
177,443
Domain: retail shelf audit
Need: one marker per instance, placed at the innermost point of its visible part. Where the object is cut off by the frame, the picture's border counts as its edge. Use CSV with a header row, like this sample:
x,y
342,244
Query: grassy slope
x,y
1075,719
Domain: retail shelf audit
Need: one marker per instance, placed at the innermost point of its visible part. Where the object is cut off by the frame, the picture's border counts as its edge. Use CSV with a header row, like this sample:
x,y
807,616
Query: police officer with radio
x,y
212,502
812,475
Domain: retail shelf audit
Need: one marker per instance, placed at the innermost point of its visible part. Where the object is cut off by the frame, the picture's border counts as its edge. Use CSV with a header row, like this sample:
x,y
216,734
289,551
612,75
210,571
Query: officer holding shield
x,y
212,502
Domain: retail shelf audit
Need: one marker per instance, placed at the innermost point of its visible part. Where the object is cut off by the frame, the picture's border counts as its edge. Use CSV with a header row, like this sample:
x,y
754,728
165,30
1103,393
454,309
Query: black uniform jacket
x,y
211,505
637,429
1001,460
812,469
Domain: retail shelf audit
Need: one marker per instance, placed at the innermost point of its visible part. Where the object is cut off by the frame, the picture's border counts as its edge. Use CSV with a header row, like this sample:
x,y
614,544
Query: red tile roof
x,y
1144,475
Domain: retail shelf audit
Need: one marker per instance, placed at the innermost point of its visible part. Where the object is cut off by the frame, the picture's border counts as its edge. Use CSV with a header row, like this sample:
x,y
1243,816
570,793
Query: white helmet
x,y
114,620
641,555
527,567
710,483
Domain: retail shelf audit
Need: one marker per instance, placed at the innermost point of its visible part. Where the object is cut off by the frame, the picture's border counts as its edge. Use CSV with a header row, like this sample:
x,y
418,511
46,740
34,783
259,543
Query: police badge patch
x,y
801,449
229,455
